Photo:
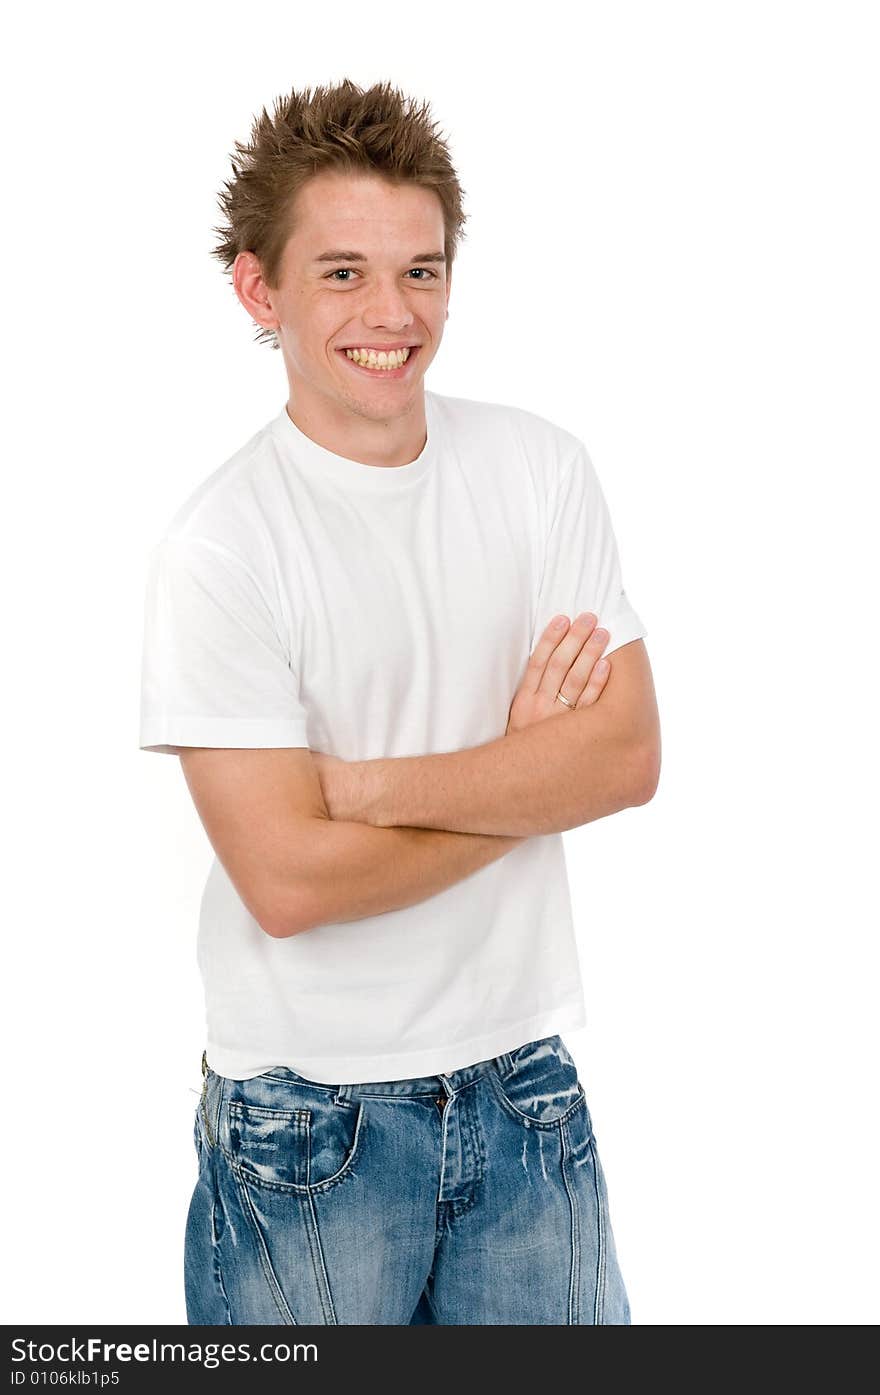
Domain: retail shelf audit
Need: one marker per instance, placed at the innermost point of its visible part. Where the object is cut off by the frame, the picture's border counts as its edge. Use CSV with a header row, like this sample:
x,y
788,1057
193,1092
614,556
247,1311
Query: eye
x,y
346,271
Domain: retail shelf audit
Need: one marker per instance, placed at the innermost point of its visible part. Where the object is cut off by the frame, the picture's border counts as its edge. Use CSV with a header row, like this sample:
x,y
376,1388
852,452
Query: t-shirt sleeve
x,y
214,669
581,564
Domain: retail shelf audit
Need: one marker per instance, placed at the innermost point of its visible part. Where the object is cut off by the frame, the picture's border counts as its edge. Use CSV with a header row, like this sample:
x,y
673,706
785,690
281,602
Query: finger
x,y
579,673
564,655
542,651
596,684
581,669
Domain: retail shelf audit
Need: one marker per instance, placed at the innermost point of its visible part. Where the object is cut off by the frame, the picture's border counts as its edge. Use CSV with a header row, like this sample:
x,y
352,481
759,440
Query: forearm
x,y
546,778
353,870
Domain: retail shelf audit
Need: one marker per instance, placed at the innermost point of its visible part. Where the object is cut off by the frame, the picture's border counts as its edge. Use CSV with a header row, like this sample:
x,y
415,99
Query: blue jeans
x,y
469,1198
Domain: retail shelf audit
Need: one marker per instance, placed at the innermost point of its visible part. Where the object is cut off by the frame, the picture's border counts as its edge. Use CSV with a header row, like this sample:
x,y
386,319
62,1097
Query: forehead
x,y
362,211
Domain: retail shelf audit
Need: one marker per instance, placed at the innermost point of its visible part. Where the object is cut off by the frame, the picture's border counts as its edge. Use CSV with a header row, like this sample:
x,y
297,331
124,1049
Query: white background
x,y
672,252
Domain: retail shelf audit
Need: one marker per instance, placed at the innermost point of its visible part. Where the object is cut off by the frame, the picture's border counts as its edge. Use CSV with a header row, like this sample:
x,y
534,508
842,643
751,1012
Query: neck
x,y
356,435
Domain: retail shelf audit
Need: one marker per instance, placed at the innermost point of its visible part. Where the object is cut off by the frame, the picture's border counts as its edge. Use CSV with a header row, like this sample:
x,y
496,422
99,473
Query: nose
x,y
388,308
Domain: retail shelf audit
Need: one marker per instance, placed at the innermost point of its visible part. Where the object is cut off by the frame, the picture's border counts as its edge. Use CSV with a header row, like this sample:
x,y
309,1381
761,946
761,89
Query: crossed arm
x,y
557,774
309,840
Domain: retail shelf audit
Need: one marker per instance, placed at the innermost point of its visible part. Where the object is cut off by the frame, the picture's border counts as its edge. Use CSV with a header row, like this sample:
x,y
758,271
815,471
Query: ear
x,y
252,291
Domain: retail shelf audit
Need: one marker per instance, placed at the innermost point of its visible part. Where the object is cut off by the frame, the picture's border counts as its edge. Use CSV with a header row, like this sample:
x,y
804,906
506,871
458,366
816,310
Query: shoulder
x,y
510,436
503,419
232,506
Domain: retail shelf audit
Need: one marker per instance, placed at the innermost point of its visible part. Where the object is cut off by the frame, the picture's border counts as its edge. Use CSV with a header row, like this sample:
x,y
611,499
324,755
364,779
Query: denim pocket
x,y
542,1087
298,1149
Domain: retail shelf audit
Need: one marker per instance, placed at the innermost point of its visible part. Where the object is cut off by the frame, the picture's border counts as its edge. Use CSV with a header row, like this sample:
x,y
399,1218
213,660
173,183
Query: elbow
x,y
282,921
647,774
301,894
280,929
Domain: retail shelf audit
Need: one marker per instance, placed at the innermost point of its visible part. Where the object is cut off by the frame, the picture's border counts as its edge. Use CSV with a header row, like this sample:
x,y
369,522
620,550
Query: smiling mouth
x,y
379,362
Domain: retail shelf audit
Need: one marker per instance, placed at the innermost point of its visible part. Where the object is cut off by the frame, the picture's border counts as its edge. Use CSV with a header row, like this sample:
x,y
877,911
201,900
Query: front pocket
x,y
302,1149
543,1086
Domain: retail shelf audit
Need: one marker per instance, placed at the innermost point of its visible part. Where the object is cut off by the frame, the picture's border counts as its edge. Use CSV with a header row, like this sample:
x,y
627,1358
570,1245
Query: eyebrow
x,y
335,256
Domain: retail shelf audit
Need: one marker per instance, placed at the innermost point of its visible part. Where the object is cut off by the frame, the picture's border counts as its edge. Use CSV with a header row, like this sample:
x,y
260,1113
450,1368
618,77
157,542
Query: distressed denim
x,y
469,1198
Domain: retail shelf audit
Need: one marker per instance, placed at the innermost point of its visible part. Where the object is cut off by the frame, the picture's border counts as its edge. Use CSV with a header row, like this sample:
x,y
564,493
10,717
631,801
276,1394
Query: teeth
x,y
369,358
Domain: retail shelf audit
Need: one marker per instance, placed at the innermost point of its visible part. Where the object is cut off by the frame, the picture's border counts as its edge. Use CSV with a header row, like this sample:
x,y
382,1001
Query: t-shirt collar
x,y
320,462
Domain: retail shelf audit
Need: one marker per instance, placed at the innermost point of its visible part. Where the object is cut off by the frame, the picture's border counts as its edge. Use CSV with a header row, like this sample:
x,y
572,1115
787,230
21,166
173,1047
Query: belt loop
x,y
204,1063
504,1063
343,1094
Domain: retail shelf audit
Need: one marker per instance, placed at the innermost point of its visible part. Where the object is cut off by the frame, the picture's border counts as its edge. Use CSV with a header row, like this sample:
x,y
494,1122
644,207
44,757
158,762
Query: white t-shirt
x,y
300,598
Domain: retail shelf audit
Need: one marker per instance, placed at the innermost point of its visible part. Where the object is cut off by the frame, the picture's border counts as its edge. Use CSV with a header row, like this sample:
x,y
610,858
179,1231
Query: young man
x,y
348,642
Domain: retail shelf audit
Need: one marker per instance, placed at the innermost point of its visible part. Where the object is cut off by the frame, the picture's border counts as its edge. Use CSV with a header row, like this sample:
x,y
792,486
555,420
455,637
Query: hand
x,y
567,660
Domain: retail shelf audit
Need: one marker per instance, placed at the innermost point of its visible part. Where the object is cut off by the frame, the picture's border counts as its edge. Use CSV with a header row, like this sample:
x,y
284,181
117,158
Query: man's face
x,y
391,291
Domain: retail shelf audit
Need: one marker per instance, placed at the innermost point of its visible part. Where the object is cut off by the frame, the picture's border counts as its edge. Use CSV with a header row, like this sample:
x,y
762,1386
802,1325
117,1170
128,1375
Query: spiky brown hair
x,y
343,127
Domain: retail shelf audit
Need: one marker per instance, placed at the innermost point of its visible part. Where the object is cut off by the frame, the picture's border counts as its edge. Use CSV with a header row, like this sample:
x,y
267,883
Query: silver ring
x,y
560,698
